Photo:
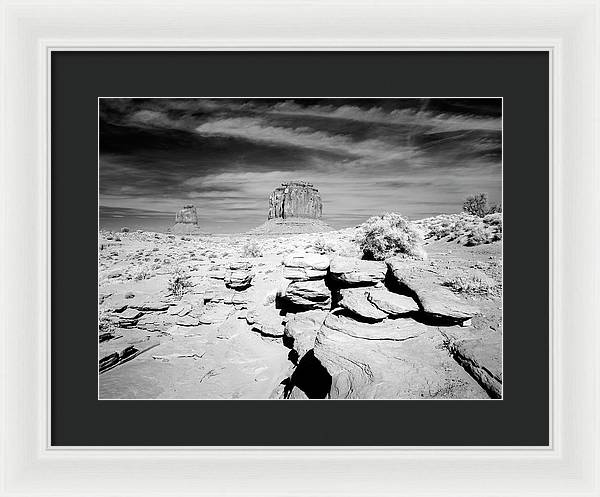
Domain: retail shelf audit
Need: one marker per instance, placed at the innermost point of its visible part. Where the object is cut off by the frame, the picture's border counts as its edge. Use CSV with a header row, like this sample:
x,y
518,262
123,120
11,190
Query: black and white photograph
x,y
300,248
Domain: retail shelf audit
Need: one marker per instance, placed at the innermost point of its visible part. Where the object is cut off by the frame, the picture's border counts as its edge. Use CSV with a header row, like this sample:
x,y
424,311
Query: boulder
x,y
311,294
303,328
356,301
351,271
427,289
392,359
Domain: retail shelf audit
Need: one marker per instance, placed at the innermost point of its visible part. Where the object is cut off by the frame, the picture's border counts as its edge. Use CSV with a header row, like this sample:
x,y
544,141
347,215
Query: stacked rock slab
x,y
307,289
239,276
363,339
307,299
295,199
349,271
374,345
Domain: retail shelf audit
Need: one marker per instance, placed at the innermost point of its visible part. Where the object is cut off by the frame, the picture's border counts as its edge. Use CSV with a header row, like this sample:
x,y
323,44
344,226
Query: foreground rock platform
x,y
394,359
290,323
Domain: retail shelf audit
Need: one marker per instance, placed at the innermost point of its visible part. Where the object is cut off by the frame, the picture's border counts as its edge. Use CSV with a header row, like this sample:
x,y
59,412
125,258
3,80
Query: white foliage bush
x,y
389,235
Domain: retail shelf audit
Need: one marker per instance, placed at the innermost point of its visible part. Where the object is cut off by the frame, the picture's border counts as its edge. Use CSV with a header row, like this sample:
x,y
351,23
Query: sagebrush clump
x,y
323,247
141,274
179,282
471,284
105,322
389,235
494,219
478,236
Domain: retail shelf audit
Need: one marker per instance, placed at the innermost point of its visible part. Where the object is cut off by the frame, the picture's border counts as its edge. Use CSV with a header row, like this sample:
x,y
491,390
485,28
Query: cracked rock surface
x,y
301,317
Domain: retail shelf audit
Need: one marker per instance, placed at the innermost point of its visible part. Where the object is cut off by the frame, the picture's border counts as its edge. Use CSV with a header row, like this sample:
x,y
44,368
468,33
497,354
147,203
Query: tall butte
x,y
295,199
294,207
186,221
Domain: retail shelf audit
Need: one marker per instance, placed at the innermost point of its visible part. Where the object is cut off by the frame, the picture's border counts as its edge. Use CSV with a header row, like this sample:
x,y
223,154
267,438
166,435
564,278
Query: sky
x,y
417,157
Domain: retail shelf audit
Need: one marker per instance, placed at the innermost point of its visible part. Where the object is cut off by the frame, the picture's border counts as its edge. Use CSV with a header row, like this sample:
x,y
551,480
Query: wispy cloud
x,y
412,116
259,130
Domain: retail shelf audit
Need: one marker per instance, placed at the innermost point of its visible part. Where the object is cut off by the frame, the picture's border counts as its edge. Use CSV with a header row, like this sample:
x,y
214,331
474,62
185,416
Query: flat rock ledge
x,y
426,287
350,271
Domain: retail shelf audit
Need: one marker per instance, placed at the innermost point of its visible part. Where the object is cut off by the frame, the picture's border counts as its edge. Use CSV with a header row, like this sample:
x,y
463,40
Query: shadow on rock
x,y
311,377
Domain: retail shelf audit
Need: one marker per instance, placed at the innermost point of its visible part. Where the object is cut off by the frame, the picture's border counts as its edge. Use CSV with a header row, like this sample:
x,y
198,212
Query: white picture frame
x,y
568,30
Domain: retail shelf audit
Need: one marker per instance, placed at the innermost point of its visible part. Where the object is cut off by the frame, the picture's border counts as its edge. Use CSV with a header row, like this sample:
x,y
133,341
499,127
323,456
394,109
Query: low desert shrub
x,y
496,208
252,249
494,219
124,229
141,274
478,236
322,247
389,235
471,284
105,322
179,282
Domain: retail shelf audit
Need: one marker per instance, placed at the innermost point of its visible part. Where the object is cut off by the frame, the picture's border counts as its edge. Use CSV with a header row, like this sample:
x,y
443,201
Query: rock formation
x,y
295,199
239,276
350,271
187,215
427,289
307,289
186,221
294,207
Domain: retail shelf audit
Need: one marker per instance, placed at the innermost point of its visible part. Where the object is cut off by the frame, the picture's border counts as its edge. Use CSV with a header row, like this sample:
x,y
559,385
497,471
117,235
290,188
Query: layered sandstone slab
x,y
428,290
393,359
